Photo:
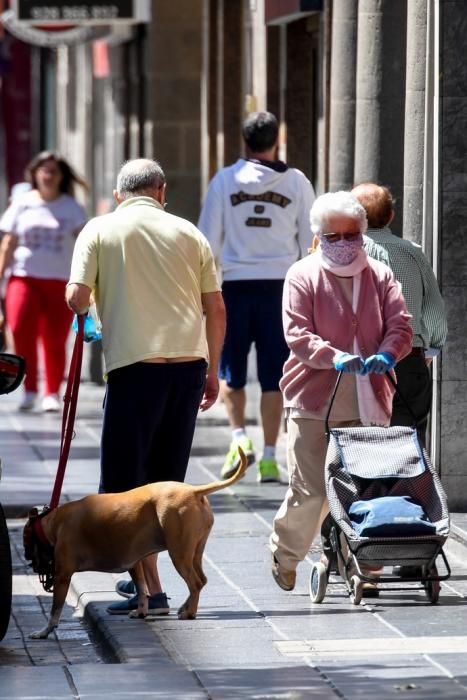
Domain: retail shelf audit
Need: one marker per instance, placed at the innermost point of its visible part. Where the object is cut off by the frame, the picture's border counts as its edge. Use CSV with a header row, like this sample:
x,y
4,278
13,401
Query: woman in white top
x,y
39,230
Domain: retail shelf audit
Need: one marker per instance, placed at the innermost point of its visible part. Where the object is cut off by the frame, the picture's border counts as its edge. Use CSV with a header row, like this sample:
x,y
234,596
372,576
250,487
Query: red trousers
x,y
36,310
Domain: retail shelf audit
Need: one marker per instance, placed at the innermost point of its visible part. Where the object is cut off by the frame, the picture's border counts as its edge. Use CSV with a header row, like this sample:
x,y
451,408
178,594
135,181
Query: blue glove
x,y
378,364
91,333
349,363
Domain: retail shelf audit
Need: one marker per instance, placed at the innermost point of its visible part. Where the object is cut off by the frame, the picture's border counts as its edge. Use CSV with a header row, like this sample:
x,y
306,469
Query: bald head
x,y
377,202
140,177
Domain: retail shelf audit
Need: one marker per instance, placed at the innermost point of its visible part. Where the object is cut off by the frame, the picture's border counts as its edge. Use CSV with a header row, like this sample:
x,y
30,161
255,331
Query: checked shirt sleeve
x,y
419,285
433,311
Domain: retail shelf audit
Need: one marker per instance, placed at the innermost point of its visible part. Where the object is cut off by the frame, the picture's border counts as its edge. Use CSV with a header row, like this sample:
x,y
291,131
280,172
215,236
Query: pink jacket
x,y
319,325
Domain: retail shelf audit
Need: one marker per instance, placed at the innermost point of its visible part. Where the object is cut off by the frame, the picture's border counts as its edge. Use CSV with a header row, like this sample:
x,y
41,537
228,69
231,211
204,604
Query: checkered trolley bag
x,y
374,471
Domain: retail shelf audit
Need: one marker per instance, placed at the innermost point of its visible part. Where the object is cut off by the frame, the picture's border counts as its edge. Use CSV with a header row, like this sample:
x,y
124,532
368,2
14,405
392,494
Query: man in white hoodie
x,y
256,216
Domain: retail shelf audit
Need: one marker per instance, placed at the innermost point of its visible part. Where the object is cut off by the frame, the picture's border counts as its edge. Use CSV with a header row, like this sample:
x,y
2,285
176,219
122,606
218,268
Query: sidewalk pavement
x,y
250,640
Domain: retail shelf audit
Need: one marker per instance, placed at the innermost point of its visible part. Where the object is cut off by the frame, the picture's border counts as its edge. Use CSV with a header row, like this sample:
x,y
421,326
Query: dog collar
x,y
39,531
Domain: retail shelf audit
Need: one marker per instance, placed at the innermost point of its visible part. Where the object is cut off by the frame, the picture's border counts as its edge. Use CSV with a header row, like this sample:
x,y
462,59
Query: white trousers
x,y
305,505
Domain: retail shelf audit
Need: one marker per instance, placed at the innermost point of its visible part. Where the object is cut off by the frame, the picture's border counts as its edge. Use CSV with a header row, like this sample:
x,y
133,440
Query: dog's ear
x,y
28,534
28,541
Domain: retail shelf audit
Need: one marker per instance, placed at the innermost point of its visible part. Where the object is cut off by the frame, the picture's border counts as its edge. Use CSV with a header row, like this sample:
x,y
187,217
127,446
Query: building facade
x,y
365,90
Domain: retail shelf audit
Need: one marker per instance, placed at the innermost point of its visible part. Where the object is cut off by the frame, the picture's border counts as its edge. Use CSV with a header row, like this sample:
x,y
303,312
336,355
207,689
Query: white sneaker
x,y
29,401
51,404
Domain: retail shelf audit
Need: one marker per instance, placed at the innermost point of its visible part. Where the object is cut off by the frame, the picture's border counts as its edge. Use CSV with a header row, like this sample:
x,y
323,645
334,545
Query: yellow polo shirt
x,y
147,269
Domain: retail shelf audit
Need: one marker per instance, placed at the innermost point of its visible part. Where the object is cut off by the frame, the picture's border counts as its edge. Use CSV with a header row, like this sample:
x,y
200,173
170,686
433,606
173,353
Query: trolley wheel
x,y
432,588
356,590
5,576
318,582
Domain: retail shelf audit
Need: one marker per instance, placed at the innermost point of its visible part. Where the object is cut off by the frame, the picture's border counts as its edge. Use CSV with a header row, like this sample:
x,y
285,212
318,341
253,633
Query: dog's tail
x,y
206,489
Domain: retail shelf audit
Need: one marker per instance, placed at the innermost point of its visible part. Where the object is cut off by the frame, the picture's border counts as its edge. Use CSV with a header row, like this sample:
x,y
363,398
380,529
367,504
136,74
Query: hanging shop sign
x,y
45,12
52,36
51,24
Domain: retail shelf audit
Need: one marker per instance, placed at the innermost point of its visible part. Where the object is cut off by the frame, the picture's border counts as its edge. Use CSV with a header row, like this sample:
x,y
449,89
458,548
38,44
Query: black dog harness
x,y
38,549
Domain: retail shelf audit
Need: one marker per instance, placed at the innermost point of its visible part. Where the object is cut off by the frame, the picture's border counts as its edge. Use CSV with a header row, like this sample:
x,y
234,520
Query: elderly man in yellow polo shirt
x,y
154,280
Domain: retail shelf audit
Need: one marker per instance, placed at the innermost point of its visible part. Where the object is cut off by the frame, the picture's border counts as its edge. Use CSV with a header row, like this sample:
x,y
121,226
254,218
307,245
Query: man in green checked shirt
x,y
424,301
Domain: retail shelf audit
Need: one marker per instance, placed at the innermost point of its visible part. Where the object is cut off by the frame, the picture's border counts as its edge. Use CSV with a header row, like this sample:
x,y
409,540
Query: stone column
x,y
380,96
299,105
103,140
258,53
321,179
453,248
342,108
233,73
414,120
273,70
64,83
174,64
4,190
79,146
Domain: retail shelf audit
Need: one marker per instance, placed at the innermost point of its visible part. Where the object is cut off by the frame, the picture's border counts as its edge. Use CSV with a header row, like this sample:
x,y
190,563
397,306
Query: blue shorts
x,y
254,315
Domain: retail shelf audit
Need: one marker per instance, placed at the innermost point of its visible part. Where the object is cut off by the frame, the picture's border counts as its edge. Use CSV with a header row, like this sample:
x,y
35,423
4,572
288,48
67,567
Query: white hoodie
x,y
257,219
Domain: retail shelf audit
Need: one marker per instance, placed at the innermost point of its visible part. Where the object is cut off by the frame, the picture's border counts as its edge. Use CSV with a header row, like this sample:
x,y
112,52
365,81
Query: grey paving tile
x,y
39,683
136,681
243,614
286,682
383,679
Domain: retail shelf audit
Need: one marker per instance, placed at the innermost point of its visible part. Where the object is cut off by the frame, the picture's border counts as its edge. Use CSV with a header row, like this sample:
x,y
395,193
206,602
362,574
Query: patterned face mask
x,y
341,252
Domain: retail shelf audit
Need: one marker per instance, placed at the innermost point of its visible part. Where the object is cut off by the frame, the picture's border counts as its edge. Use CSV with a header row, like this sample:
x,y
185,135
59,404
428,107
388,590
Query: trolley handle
x,y
398,392
328,413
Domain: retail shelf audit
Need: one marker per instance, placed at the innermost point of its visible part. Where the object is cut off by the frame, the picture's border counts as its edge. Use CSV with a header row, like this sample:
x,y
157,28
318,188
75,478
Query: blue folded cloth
x,y
390,516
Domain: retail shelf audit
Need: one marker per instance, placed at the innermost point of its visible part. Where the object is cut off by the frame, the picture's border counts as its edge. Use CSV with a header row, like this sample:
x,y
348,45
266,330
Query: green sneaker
x,y
268,471
231,459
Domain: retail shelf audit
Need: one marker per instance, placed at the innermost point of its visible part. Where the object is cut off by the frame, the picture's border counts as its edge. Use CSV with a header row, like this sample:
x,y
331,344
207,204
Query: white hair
x,y
334,204
138,177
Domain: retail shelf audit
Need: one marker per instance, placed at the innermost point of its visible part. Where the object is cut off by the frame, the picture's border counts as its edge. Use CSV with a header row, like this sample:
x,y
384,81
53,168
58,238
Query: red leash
x,y
69,411
43,561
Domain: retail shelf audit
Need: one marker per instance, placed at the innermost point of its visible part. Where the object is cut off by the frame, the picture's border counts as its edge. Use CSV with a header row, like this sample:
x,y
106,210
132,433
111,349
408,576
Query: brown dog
x,y
113,532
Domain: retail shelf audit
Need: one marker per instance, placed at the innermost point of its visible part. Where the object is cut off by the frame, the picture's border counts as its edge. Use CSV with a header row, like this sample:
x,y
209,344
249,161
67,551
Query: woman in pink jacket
x,y
341,311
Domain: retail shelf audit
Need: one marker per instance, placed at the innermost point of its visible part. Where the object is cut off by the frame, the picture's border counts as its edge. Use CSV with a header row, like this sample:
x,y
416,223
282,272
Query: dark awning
x,y
279,11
